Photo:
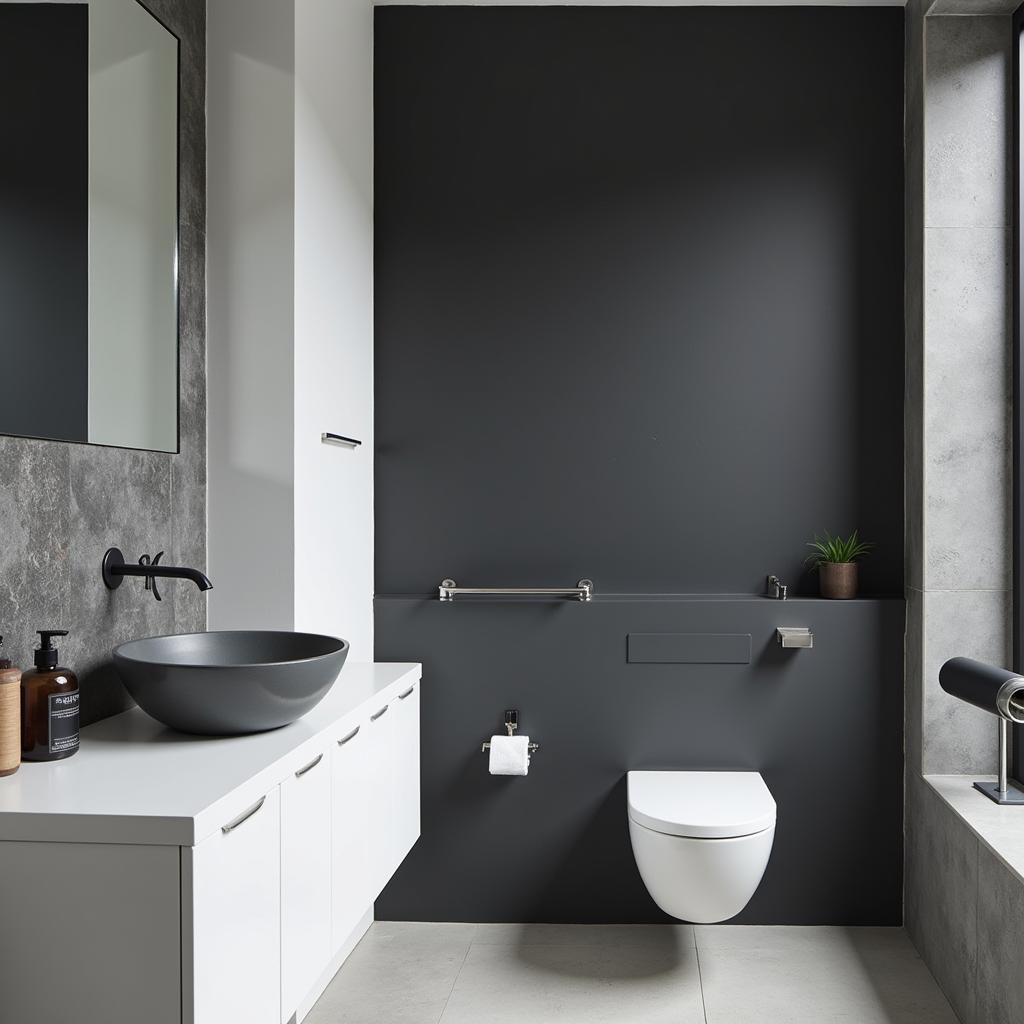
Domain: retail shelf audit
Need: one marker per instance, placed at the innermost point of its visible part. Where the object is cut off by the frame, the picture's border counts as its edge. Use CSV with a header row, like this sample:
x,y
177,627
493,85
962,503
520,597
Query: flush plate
x,y
688,648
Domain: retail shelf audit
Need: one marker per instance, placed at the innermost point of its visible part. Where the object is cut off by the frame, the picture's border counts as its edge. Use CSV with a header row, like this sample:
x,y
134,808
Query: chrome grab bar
x,y
583,591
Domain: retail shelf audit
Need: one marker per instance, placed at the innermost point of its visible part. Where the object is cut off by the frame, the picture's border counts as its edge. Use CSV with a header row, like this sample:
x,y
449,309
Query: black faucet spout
x,y
115,568
200,579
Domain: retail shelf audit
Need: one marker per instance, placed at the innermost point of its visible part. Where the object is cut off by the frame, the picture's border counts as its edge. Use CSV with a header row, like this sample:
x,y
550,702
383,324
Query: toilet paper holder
x,y
511,724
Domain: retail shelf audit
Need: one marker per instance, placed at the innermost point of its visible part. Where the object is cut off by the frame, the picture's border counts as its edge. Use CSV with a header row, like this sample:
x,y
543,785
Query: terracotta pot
x,y
838,580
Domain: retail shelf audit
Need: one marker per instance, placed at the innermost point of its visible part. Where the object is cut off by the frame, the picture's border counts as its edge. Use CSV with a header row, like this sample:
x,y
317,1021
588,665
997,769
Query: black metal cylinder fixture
x,y
996,690
1000,692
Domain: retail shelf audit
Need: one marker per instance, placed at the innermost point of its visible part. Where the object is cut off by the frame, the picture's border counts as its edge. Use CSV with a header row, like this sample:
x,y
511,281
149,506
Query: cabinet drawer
x,y
406,772
394,784
380,790
350,810
232,883
305,878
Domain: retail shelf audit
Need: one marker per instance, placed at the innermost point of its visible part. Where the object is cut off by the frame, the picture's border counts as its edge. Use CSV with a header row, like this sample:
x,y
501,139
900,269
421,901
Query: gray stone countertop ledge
x,y
1000,828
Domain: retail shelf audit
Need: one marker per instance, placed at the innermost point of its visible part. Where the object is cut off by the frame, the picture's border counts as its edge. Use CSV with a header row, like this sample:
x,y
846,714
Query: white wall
x,y
291,315
133,227
250,313
334,319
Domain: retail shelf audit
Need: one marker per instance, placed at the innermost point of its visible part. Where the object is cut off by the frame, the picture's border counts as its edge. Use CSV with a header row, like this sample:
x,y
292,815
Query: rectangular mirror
x,y
89,224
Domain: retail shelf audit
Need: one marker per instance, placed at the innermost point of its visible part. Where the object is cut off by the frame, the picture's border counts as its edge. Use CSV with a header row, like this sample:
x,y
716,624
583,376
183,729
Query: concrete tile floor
x,y
591,974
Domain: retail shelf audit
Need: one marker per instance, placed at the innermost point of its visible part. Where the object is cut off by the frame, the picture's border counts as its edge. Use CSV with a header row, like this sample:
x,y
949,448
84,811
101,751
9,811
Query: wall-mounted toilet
x,y
701,839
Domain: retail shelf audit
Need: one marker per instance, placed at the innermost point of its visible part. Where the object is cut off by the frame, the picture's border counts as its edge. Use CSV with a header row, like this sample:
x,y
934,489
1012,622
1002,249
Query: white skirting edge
x,y
334,966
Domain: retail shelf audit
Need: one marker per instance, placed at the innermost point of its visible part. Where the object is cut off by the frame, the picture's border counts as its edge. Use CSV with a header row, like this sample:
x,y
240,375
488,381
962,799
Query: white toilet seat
x,y
700,805
701,840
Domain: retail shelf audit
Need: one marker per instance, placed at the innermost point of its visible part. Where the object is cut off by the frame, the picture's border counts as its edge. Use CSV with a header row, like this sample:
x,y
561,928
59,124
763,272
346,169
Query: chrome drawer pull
x,y
373,718
243,817
402,696
309,767
350,736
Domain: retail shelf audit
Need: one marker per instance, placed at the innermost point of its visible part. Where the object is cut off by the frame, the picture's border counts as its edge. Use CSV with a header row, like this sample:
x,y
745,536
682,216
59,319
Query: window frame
x,y
1017,284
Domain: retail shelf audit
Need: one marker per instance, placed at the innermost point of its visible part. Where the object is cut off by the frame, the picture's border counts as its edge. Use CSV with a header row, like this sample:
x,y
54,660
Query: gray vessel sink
x,y
230,682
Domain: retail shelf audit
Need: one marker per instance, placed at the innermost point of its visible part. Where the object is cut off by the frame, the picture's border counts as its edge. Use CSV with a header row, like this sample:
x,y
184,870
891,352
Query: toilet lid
x,y
702,805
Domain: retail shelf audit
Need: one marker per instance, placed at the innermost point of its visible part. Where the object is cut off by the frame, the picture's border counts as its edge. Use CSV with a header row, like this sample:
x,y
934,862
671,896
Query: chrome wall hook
x,y
339,439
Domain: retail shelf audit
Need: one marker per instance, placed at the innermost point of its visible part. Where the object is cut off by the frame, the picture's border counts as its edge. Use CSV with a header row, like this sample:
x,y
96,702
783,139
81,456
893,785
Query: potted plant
x,y
835,559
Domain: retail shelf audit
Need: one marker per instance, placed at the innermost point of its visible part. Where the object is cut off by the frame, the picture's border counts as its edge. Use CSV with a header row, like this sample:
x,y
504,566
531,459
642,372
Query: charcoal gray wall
x,y
824,727
44,219
639,294
639,284
62,505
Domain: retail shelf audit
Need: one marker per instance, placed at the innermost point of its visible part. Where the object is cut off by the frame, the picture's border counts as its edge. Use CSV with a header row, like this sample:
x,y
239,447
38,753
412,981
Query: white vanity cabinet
x,y
227,879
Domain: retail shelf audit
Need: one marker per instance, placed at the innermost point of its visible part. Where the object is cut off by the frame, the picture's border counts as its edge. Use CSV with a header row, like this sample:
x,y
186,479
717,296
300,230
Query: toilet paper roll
x,y
510,755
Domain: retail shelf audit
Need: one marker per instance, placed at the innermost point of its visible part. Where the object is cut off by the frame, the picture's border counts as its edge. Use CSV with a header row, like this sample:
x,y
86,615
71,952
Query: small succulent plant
x,y
837,549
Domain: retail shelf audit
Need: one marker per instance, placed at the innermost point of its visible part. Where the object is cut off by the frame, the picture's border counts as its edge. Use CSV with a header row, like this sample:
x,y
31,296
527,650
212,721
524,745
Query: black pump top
x,y
47,654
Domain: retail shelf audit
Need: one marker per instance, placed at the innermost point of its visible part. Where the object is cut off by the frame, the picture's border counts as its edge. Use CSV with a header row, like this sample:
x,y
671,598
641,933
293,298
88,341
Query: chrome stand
x,y
1002,792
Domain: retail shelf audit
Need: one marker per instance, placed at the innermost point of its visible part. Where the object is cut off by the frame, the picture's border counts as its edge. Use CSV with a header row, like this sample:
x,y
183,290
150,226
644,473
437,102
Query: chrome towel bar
x,y
583,591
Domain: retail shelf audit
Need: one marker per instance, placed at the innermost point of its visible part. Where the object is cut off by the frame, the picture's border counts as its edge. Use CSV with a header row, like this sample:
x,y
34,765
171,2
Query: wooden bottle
x,y
10,720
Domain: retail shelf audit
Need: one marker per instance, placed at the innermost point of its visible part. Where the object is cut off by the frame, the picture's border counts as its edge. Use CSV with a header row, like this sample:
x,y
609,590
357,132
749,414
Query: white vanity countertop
x,y
136,781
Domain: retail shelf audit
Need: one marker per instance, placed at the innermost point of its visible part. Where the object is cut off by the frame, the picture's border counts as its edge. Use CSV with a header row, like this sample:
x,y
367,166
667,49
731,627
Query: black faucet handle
x,y
145,560
152,579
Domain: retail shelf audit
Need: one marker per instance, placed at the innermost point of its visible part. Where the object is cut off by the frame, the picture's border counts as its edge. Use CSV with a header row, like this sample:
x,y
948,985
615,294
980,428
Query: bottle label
x,y
63,722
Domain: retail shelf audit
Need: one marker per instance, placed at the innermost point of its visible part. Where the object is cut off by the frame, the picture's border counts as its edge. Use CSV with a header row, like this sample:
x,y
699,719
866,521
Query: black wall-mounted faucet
x,y
115,568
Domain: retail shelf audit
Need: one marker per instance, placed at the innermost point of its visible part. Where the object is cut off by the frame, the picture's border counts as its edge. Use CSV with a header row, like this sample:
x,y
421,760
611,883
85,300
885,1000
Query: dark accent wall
x,y
639,294
44,219
639,317
62,505
823,726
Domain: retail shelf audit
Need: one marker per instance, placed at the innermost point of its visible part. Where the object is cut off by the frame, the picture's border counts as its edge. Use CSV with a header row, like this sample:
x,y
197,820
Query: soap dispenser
x,y
49,705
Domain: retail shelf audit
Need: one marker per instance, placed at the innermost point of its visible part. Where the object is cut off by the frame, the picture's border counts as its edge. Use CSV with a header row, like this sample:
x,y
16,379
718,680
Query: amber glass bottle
x,y
49,705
